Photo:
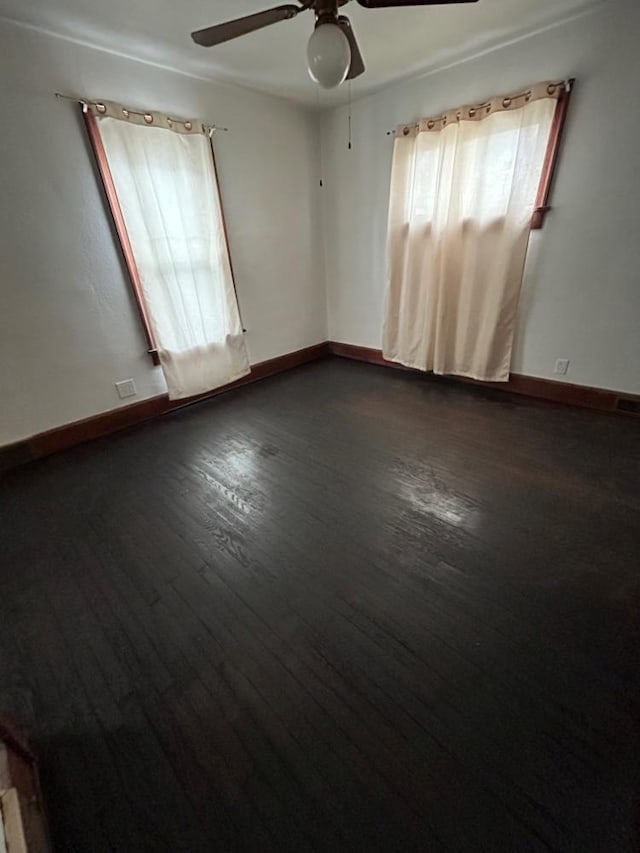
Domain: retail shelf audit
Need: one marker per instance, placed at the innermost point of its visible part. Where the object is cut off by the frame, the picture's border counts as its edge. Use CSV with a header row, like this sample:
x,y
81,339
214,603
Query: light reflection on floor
x,y
456,510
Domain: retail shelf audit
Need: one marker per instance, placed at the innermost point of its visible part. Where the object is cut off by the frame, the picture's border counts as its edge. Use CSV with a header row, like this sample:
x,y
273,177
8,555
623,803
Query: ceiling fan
x,y
333,55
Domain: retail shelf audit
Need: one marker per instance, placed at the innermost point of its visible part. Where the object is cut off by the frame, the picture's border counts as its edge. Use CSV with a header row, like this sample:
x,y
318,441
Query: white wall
x,y
68,324
581,297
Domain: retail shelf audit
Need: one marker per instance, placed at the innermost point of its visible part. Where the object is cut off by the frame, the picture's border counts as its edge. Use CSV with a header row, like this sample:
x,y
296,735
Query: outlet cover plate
x,y
562,365
126,388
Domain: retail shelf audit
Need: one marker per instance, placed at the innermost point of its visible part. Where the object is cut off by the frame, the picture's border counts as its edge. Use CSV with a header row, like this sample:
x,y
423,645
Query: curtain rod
x,y
568,86
211,128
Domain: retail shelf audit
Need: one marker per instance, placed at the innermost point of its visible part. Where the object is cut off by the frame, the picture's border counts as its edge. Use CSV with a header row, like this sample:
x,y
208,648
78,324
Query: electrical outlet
x,y
562,365
126,388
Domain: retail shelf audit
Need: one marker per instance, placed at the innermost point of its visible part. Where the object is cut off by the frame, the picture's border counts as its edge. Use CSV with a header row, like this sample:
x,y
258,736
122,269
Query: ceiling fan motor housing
x,y
327,10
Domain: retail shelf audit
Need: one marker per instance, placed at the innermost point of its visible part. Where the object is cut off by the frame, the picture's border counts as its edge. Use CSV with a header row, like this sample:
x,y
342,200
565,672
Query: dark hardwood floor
x,y
347,608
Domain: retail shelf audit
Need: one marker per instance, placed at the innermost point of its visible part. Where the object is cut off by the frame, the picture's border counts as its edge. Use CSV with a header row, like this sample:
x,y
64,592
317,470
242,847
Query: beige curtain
x,y
164,177
463,188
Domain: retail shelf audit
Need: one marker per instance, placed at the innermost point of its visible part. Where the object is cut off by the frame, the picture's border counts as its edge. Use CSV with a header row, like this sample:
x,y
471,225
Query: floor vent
x,y
628,405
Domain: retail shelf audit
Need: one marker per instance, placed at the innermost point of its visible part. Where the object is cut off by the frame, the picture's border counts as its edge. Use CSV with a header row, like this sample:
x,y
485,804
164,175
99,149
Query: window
x,y
160,179
487,159
467,187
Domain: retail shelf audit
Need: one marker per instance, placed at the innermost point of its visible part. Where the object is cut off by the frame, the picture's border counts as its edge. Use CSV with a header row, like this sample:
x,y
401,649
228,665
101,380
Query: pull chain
x,y
319,136
320,157
349,88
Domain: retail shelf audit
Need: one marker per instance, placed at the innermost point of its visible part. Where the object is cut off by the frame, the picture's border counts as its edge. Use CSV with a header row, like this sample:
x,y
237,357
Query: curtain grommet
x,y
506,102
101,108
188,125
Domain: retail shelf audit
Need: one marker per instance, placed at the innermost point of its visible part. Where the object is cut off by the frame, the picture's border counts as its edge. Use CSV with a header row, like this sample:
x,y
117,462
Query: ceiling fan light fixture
x,y
328,55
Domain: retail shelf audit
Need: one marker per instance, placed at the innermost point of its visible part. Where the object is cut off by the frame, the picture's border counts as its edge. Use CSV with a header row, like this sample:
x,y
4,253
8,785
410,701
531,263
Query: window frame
x,y
121,229
550,166
108,184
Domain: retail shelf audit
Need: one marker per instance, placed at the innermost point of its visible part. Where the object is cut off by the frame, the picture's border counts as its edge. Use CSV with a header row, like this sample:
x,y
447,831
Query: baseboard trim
x,y
528,386
79,432
63,437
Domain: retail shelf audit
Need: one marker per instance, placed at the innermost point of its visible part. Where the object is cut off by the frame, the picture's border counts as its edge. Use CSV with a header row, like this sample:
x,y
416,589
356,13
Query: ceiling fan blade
x,y
219,33
357,63
391,4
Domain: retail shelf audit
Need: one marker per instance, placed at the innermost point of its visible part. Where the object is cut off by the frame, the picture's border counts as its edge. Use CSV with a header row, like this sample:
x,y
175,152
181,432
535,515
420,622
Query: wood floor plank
x,y
345,609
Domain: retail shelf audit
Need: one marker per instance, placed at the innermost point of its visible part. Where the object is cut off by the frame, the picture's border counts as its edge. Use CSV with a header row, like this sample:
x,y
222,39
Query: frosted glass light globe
x,y
328,55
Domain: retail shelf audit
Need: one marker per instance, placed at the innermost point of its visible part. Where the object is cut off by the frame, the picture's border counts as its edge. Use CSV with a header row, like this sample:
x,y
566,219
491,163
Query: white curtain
x,y
165,181
463,189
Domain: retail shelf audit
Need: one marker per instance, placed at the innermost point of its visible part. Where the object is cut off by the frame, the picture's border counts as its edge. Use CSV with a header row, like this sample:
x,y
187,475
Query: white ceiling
x,y
395,42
